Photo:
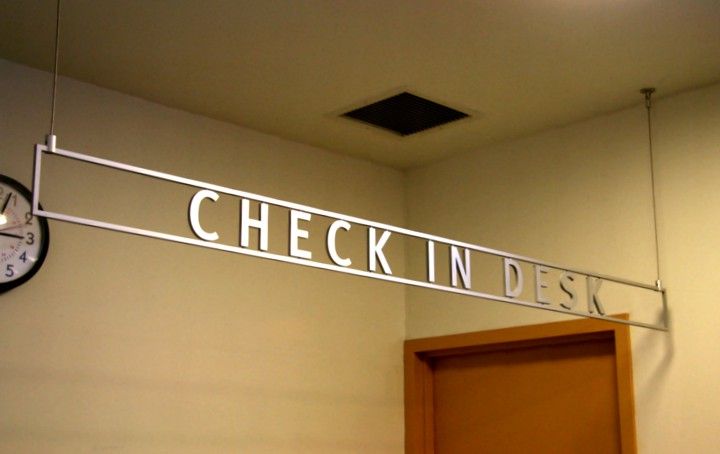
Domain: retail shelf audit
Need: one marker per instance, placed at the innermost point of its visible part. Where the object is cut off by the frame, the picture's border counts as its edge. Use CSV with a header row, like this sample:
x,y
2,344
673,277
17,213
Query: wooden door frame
x,y
419,353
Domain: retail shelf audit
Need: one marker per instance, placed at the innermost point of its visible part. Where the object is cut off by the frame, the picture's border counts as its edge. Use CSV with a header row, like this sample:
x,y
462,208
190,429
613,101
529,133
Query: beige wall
x,y
580,195
126,344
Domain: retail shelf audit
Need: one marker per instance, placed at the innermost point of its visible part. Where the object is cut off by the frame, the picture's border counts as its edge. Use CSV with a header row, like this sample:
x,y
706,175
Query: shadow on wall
x,y
660,346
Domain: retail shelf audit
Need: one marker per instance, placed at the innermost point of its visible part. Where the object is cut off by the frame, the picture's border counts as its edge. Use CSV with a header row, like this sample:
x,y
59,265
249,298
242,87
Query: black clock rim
x,y
44,230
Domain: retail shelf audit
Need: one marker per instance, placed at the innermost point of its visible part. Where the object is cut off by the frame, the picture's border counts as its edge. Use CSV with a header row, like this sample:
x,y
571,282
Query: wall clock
x,y
24,238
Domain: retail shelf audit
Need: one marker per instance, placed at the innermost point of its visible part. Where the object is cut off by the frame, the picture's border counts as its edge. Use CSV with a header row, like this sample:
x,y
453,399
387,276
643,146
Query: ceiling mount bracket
x,y
648,92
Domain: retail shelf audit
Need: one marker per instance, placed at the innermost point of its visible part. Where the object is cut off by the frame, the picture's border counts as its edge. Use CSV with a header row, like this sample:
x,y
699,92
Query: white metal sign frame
x,y
40,149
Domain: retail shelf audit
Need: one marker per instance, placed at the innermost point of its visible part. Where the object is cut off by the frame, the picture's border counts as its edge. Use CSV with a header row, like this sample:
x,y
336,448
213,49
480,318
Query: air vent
x,y
405,114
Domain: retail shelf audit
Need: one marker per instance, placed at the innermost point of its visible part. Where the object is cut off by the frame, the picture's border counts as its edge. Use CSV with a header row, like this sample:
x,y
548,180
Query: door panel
x,y
543,399
561,387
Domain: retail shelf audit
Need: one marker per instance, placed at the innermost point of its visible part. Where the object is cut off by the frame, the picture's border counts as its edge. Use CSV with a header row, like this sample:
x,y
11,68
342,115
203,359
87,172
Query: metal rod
x,y
648,92
329,267
331,214
55,68
51,137
37,162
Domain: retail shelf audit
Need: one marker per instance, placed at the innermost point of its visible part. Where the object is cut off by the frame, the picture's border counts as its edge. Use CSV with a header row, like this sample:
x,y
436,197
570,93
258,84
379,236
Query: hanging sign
x,y
447,264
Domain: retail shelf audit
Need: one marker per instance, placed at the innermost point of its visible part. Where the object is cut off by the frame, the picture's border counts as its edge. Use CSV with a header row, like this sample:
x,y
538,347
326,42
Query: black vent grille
x,y
405,114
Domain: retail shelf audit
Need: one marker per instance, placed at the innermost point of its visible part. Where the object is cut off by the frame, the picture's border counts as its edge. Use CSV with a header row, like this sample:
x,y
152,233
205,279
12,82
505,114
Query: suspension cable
x,y
51,139
648,92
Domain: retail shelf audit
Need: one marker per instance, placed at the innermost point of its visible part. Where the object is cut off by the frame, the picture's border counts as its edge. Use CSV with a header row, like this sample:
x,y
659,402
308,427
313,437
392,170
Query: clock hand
x,y
11,235
5,204
10,227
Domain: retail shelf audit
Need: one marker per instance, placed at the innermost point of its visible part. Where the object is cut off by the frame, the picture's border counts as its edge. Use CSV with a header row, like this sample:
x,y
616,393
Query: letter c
x,y
331,247
194,214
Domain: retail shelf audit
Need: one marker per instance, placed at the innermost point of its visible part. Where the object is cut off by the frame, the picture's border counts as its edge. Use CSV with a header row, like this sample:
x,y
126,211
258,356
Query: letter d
x,y
517,290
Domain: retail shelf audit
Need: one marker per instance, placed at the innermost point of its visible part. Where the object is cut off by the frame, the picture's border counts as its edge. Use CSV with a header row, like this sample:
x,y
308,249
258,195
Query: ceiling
x,y
290,68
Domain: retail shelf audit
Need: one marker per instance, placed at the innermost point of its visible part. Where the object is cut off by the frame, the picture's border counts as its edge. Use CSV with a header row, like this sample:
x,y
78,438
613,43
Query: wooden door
x,y
553,388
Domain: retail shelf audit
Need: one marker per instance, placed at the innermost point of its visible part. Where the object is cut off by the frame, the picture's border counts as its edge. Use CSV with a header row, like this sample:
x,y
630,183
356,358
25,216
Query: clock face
x,y
24,238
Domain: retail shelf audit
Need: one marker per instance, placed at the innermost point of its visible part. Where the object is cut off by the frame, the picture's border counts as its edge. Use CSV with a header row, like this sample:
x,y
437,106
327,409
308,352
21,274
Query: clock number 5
x,y
9,271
